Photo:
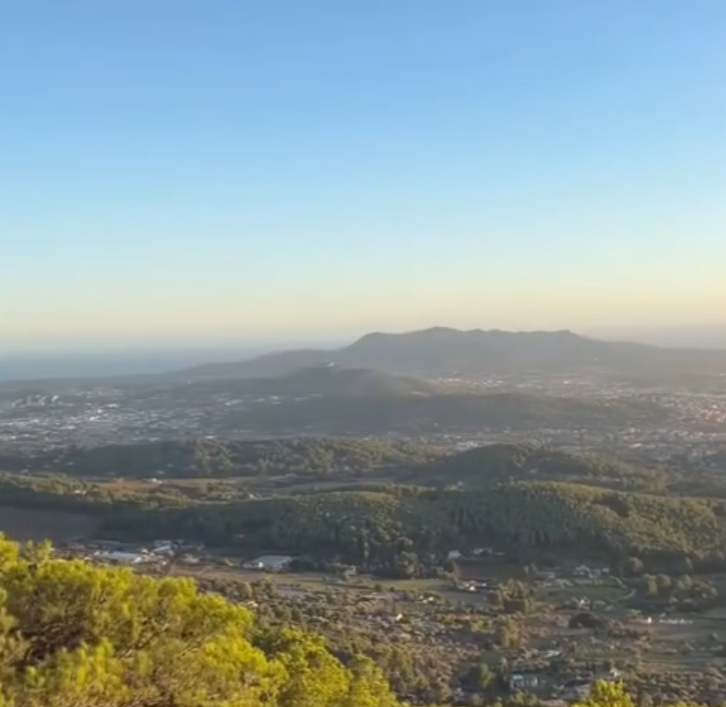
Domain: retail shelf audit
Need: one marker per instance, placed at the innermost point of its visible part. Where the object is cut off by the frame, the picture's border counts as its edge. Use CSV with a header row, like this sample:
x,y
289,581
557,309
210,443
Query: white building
x,y
269,563
117,557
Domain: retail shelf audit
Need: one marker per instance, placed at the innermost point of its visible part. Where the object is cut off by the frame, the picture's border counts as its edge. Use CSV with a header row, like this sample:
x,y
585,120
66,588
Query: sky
x,y
188,173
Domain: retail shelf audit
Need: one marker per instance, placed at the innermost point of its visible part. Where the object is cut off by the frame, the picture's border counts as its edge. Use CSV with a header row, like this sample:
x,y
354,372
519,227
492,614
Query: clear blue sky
x,y
187,171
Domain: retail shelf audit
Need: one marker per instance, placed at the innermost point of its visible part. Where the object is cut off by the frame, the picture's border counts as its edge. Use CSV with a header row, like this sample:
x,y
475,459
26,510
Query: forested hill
x,y
442,351
226,458
401,531
488,466
418,463
403,462
521,499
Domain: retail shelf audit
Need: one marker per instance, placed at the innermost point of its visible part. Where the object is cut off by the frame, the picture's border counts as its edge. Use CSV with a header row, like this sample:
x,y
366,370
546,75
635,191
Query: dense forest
x,y
481,467
205,457
404,531
488,466
521,500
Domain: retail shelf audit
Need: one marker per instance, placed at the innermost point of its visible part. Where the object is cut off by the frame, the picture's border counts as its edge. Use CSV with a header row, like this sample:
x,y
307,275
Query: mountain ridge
x,y
444,351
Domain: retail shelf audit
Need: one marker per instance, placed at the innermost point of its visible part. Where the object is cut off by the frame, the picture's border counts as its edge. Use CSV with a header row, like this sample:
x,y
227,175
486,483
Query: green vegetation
x,y
552,514
612,694
351,623
684,592
70,494
513,597
74,635
521,500
403,531
608,695
485,467
219,459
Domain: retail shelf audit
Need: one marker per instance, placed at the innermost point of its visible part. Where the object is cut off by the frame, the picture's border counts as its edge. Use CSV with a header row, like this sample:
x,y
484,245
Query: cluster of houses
x,y
160,552
472,572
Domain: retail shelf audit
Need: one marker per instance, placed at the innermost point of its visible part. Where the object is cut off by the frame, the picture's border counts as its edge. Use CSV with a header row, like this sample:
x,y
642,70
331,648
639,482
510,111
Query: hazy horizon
x,y
139,360
172,173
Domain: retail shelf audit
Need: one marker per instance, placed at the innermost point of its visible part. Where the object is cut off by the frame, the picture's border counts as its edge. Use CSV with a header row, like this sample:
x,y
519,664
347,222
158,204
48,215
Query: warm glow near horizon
x,y
337,317
309,175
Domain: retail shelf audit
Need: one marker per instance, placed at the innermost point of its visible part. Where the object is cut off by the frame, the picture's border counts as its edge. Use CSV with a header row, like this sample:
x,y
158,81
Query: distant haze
x,y
674,337
112,363
92,362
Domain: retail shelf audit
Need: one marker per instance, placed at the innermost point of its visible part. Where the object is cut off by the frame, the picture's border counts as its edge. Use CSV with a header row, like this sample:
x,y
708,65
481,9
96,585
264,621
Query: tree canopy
x,y
77,635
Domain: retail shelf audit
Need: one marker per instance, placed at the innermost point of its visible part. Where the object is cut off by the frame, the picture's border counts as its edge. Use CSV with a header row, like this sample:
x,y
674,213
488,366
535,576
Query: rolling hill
x,y
202,457
485,467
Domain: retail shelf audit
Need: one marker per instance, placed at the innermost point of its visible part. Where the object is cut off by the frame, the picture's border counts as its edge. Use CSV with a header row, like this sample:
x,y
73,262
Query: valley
x,y
478,535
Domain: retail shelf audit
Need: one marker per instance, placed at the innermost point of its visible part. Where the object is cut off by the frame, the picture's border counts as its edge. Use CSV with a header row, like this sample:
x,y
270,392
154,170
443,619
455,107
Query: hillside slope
x,y
487,466
215,458
396,532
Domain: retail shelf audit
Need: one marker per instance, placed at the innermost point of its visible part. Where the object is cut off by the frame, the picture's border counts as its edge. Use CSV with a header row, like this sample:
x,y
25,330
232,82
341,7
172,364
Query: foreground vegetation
x,y
75,635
